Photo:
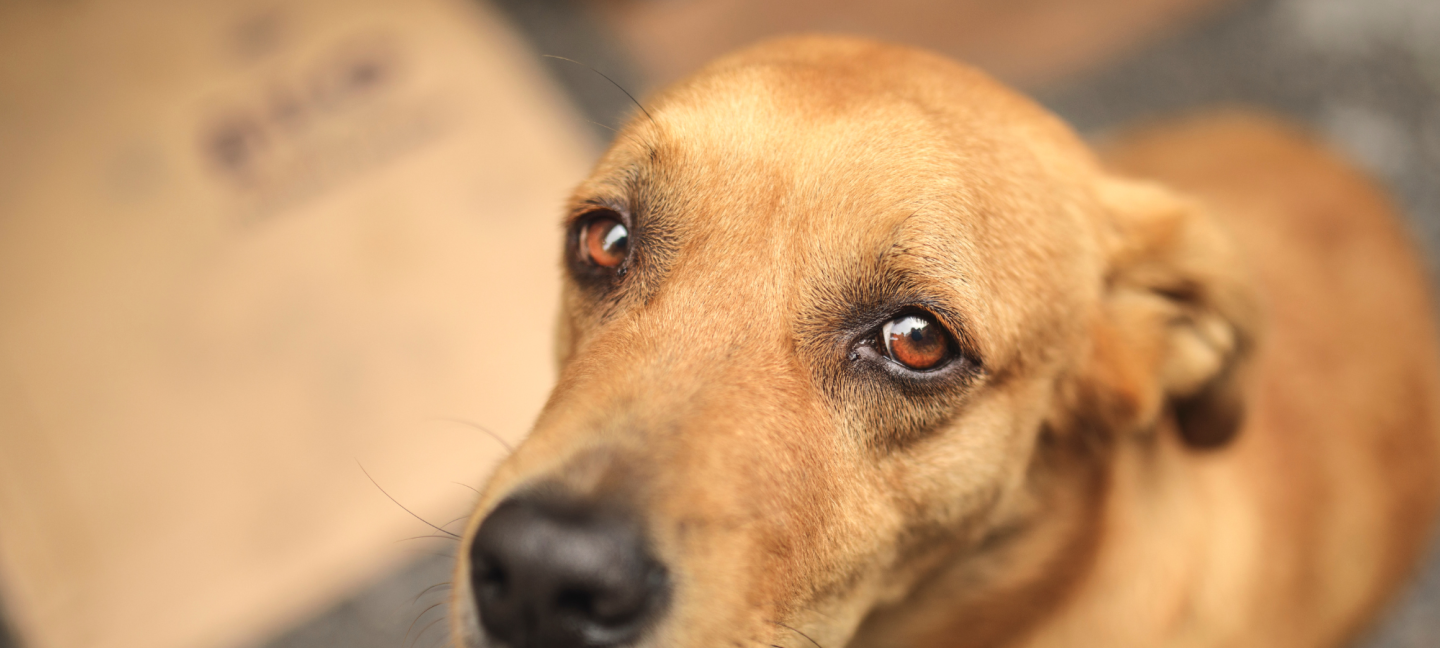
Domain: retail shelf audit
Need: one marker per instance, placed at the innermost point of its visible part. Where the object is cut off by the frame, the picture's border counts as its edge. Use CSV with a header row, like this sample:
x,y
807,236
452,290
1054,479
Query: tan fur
x,y
1089,487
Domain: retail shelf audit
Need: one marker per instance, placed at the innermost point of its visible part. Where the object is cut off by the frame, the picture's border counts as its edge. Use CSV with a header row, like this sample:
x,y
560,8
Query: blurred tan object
x,y
1026,43
244,246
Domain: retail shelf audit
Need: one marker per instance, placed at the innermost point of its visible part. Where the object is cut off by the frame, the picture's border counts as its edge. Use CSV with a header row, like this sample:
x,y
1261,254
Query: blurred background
x,y
261,259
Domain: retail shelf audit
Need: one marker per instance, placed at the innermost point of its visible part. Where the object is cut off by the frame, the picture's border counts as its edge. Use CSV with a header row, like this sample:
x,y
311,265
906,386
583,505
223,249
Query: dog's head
x,y
848,330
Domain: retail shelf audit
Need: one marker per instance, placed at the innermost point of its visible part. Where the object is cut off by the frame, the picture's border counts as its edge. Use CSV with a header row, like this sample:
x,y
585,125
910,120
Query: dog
x,y
860,348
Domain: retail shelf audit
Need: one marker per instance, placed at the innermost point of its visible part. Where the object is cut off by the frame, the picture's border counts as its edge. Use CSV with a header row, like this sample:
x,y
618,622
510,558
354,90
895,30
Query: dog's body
x,y
1148,421
1294,534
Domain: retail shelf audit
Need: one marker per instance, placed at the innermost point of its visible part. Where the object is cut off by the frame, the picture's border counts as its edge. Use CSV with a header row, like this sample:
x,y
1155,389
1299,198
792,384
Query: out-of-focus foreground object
x,y
245,246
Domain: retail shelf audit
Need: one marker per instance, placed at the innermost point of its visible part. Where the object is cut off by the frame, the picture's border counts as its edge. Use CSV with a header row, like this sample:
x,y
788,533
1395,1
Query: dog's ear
x,y
1177,319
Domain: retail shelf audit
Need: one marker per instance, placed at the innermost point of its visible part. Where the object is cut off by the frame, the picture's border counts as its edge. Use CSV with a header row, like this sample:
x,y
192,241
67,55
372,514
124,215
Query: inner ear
x,y
1180,312
1202,375
1213,416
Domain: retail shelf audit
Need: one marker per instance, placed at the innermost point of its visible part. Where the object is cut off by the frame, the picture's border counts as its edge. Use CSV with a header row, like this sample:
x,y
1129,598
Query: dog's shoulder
x,y
1345,438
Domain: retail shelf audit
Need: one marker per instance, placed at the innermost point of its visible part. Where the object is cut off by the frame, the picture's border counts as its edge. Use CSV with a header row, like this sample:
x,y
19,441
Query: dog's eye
x,y
604,241
916,342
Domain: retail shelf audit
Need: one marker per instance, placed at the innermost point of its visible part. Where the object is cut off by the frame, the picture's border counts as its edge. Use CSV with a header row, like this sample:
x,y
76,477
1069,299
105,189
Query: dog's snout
x,y
551,573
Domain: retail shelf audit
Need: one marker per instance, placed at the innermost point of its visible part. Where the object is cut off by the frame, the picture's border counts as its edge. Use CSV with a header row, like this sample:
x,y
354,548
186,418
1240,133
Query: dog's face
x,y
846,330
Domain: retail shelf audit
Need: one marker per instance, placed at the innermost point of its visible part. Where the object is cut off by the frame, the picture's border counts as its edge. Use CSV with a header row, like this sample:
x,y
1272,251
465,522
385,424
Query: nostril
x,y
491,581
556,573
576,600
606,606
599,606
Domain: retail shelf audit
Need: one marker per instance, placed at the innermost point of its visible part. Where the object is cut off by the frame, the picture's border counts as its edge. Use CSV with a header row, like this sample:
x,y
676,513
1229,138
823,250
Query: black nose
x,y
556,573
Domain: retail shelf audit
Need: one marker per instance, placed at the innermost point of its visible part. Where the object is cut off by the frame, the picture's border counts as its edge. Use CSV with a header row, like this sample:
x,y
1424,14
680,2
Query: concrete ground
x,y
1365,73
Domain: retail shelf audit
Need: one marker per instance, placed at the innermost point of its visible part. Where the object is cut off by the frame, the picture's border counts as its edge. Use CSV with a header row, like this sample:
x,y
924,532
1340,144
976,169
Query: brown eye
x,y
605,242
916,342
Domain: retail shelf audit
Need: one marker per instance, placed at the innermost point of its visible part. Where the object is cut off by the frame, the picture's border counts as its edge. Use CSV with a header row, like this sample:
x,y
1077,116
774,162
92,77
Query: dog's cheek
x,y
564,336
582,315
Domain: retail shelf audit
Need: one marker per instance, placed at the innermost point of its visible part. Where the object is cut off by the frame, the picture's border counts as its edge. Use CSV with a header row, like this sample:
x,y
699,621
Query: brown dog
x,y
860,348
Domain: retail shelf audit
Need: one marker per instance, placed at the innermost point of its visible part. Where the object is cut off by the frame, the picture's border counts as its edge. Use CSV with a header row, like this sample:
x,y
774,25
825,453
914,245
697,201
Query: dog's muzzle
x,y
557,572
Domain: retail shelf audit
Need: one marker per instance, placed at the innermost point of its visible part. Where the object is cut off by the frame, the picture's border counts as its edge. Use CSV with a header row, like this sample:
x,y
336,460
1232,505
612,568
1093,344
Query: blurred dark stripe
x,y
404,609
7,638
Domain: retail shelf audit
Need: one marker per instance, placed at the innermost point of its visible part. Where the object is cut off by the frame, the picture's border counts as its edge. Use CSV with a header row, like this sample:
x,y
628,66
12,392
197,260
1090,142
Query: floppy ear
x,y
1177,322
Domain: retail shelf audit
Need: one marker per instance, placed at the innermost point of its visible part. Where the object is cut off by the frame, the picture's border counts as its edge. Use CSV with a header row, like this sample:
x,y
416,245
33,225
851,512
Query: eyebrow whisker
x,y
612,82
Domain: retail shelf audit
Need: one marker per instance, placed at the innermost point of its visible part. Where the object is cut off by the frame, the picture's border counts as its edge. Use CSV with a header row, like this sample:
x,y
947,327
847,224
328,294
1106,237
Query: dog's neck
x,y
1018,574
1109,558
1178,545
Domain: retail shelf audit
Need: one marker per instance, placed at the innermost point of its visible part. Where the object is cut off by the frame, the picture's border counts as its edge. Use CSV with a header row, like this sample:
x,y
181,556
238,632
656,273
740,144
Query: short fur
x,y
1201,407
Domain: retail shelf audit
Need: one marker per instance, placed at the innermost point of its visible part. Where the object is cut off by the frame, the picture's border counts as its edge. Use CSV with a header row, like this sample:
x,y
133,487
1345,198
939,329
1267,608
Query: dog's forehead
x,y
786,176
841,133
755,147
762,160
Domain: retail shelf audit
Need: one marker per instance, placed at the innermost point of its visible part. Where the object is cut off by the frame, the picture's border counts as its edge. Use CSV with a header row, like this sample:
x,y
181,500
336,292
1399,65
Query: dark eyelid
x,y
586,208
